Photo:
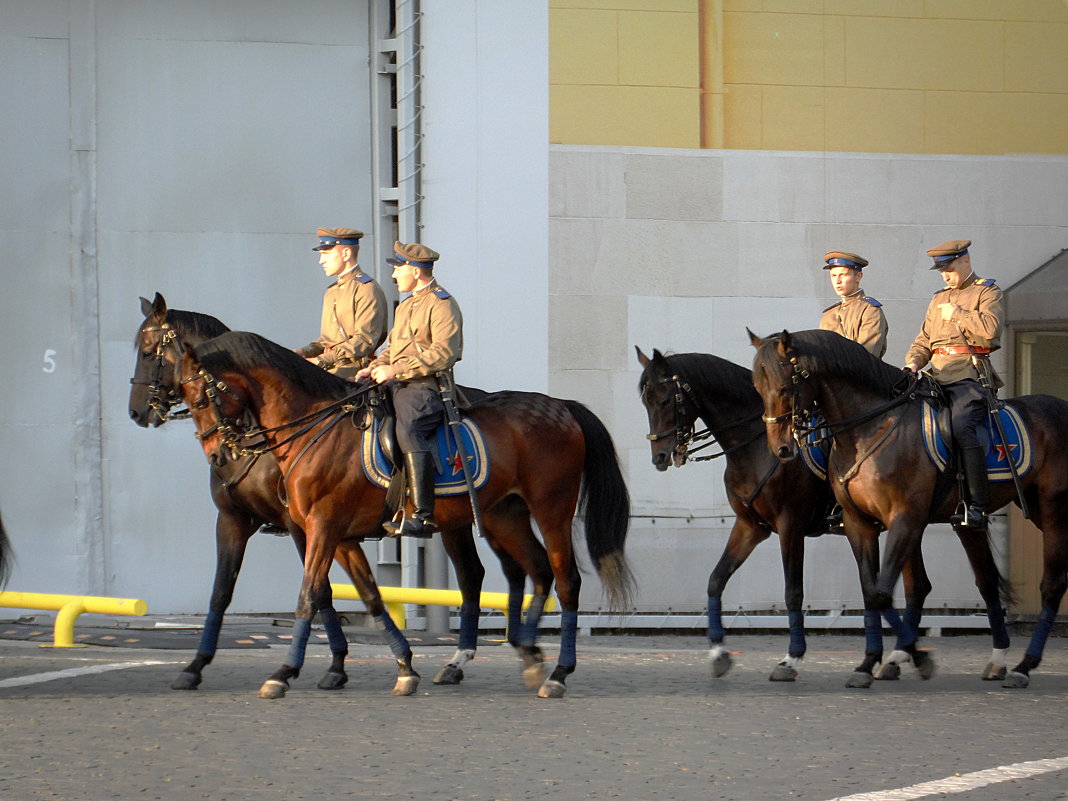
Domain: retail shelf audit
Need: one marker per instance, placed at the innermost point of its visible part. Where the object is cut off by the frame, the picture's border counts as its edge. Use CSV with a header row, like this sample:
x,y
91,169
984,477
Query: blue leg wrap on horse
x,y
568,635
398,645
998,631
715,619
797,633
529,632
1041,634
209,637
913,618
299,644
893,620
469,613
515,614
334,634
873,633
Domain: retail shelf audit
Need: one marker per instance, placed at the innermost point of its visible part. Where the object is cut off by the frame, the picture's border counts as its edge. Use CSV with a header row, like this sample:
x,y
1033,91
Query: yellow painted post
x,y
70,607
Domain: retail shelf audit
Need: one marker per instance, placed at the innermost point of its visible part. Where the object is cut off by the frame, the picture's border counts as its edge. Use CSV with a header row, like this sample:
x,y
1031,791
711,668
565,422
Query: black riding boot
x,y
420,468
977,487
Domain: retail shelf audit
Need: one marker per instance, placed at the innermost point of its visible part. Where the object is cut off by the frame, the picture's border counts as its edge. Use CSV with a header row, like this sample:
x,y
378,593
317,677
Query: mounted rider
x,y
427,339
855,316
963,326
354,307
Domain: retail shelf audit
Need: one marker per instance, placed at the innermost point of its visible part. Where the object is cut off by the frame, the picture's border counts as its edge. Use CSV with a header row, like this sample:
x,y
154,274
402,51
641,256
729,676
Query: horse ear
x,y
643,360
146,306
754,340
189,350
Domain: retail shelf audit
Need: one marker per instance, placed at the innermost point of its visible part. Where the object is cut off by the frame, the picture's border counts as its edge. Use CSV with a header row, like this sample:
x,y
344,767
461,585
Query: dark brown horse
x,y
880,471
5,556
767,496
245,492
546,456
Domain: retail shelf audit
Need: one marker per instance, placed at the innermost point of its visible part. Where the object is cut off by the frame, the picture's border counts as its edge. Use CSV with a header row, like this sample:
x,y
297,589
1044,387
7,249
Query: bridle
x,y
684,430
800,419
160,399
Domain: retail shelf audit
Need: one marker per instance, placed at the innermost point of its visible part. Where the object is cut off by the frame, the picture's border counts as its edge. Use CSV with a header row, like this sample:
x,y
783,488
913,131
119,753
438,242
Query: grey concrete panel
x,y
674,188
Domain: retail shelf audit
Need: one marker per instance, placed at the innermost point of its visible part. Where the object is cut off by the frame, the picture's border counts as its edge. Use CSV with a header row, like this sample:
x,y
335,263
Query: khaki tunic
x,y
977,323
353,323
427,335
859,318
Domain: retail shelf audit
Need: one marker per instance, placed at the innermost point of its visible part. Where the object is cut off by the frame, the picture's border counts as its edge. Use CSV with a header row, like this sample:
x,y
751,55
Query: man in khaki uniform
x,y
964,322
354,307
856,316
427,339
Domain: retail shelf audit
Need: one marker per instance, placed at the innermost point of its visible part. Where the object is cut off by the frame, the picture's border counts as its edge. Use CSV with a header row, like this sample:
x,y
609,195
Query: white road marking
x,y
52,675
966,782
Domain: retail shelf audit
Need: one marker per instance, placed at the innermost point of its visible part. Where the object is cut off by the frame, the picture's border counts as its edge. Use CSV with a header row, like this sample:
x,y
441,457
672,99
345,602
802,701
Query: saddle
x,y
937,432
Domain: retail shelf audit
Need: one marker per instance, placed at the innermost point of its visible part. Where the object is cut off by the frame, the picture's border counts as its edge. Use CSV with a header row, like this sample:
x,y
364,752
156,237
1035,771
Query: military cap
x,y
948,252
332,237
839,258
413,253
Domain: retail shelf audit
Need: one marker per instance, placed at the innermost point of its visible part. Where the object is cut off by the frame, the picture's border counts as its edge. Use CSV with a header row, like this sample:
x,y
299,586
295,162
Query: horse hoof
x,y
721,663
925,664
890,671
994,672
552,689
534,676
273,688
860,680
333,681
1016,681
783,673
450,674
186,681
406,685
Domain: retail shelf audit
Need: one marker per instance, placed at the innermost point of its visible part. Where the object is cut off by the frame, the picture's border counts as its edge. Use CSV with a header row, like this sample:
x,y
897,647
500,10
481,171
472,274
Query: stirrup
x,y
971,518
410,527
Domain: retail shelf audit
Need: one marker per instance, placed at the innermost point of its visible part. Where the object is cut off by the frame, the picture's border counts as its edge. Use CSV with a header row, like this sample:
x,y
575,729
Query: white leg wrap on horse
x,y
999,656
462,657
899,657
790,661
716,652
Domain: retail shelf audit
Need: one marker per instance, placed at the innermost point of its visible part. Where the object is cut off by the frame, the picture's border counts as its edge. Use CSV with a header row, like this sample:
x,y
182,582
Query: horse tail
x,y
5,556
604,505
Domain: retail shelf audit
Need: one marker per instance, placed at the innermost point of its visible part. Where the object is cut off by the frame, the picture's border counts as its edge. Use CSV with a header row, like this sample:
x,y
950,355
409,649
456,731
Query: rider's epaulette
x,y
363,278
985,282
832,306
871,301
441,293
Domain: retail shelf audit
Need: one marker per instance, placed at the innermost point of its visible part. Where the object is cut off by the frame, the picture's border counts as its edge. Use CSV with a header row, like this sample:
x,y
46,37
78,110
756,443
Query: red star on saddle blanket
x,y
1001,451
457,464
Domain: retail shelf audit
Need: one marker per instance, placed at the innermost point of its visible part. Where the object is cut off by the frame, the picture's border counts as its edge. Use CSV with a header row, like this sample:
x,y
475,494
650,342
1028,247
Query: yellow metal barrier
x,y
396,597
70,607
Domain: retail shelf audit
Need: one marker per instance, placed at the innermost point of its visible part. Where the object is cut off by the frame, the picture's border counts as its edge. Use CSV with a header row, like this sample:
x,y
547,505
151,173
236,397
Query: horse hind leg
x,y
470,573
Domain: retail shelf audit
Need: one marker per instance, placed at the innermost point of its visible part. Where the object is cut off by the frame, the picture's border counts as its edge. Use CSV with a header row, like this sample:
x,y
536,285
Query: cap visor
x,y
395,262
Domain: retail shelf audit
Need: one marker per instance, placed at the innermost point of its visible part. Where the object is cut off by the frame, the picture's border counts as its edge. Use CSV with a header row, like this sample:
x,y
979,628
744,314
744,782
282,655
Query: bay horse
x,y
245,493
767,495
880,471
547,458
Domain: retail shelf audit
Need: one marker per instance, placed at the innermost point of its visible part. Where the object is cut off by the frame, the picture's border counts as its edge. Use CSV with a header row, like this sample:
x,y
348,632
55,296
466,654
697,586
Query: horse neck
x,y
724,419
842,399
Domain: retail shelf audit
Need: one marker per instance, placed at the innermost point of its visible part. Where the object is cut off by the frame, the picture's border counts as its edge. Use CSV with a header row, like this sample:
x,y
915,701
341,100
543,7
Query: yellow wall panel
x,y
793,118
1038,57
743,5
743,125
874,8
584,47
687,6
1035,123
625,115
875,121
793,6
773,49
834,51
657,49
964,122
1033,10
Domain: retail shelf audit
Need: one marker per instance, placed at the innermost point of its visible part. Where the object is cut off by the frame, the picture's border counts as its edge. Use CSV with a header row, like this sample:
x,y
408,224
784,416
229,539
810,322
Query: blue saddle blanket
x,y
1018,447
450,482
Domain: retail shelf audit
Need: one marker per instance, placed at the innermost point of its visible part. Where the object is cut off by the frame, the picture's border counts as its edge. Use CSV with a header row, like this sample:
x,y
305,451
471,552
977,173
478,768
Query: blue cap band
x,y
400,257
950,256
844,263
332,241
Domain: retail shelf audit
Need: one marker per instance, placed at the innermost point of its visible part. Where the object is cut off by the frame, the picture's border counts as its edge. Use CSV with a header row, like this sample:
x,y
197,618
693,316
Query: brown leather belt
x,y
960,350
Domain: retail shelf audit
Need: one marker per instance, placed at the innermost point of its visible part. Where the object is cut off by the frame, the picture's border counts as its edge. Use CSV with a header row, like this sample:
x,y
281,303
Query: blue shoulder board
x,y
985,282
441,293
872,301
364,278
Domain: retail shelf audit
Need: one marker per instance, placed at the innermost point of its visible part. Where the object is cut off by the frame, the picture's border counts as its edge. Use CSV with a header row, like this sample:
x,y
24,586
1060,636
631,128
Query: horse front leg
x,y
991,586
470,573
232,533
917,588
863,538
792,545
744,537
903,550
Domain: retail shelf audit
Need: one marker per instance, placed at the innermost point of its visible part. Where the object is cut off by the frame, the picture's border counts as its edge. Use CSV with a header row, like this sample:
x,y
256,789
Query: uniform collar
x,y
967,282
854,296
353,271
430,287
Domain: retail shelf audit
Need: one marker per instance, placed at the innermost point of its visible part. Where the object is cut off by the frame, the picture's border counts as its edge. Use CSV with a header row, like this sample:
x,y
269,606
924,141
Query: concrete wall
x,y
682,249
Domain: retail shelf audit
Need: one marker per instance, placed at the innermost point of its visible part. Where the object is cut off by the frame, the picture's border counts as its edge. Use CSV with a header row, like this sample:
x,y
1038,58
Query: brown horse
x,y
767,496
880,471
544,454
245,492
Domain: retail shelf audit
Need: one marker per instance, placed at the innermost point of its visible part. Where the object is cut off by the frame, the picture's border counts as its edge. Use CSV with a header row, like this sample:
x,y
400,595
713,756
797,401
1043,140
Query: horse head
x,y
217,402
671,420
153,388
781,383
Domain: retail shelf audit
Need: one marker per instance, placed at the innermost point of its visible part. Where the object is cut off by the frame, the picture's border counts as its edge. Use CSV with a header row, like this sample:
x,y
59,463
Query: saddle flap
x,y
1018,446
448,471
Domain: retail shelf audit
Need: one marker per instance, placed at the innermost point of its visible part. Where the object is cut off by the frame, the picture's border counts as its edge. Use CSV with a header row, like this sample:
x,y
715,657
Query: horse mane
x,y
243,350
831,354
195,324
729,382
